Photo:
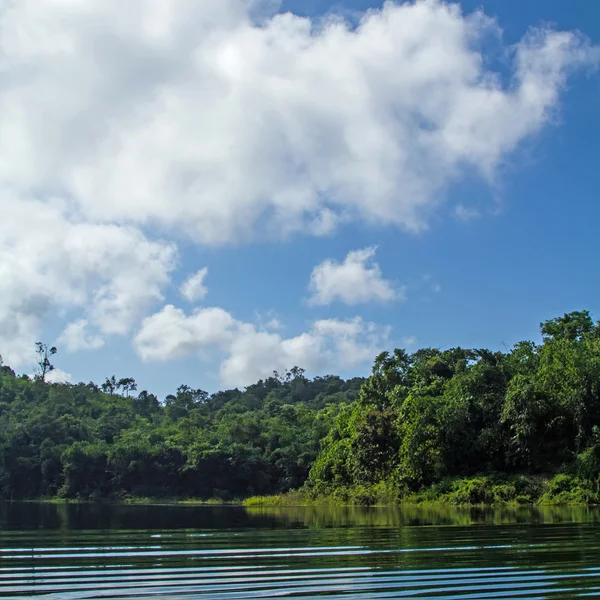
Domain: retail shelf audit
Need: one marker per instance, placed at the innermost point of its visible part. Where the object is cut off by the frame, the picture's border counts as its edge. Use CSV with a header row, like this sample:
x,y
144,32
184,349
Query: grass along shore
x,y
493,490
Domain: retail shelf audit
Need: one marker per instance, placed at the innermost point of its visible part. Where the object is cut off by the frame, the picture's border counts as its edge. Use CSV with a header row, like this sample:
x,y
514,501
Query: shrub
x,y
504,492
472,491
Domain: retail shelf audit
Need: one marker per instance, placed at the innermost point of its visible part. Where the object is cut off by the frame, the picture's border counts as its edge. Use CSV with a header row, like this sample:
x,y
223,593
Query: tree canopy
x,y
433,415
89,441
417,421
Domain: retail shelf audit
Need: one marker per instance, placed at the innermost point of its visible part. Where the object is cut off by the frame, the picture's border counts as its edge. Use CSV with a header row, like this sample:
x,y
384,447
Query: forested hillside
x,y
508,421
86,441
425,420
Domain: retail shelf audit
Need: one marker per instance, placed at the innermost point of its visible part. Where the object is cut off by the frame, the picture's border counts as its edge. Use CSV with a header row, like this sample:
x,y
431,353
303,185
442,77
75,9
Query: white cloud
x,y
193,289
355,281
200,117
51,263
192,115
250,353
409,340
171,333
267,320
329,345
58,376
273,324
76,336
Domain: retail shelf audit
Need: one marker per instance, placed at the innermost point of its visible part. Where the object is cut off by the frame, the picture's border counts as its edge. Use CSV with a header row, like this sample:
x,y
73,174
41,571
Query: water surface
x,y
100,551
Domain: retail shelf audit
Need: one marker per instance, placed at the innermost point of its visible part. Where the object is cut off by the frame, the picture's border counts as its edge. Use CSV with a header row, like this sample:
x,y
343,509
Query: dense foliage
x,y
85,441
424,420
468,425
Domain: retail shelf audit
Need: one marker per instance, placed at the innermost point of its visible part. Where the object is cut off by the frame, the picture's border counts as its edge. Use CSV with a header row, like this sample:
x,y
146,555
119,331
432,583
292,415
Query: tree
x,y
297,372
127,384
187,398
145,404
389,372
421,419
571,326
43,362
110,386
375,445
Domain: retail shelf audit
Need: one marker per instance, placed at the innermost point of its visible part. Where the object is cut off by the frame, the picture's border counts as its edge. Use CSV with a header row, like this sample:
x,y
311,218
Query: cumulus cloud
x,y
171,333
58,376
191,114
250,353
200,117
193,288
328,345
50,262
355,281
77,336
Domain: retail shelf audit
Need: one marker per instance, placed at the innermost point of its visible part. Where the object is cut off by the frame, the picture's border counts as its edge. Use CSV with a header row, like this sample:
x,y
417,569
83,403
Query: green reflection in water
x,y
97,551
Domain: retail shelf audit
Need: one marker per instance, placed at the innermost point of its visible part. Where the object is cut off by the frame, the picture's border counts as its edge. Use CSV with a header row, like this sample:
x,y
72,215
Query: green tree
x,y
571,326
44,366
127,384
110,385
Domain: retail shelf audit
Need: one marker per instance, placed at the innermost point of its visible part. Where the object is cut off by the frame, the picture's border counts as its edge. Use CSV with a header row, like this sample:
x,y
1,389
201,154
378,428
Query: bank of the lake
x,y
459,426
493,490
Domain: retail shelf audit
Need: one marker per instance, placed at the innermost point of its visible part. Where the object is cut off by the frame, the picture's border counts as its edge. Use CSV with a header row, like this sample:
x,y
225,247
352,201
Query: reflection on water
x,y
100,551
345,516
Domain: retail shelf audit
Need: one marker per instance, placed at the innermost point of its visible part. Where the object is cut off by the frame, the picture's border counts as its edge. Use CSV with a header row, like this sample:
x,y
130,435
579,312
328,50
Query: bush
x,y
472,491
504,493
568,489
363,496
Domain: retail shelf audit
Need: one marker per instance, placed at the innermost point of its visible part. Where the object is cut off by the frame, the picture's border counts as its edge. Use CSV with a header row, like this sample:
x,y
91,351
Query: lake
x,y
102,551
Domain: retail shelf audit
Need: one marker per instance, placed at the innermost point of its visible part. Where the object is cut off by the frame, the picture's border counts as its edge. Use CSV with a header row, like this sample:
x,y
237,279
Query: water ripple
x,y
441,562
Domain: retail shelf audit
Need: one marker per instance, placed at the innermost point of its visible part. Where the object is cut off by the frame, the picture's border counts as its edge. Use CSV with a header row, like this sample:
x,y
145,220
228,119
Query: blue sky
x,y
149,168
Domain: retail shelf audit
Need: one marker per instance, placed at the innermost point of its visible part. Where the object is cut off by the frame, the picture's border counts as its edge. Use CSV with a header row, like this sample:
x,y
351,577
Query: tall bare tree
x,y
44,366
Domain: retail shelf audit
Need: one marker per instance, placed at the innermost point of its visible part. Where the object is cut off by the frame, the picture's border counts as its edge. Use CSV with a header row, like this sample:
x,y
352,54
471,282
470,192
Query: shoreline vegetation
x,y
496,491
489,491
455,427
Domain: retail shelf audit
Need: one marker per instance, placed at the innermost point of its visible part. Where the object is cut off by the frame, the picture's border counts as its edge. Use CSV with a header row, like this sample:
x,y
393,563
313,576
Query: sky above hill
x,y
205,191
